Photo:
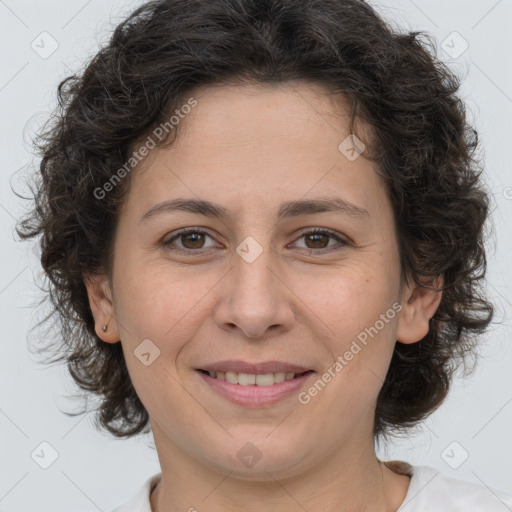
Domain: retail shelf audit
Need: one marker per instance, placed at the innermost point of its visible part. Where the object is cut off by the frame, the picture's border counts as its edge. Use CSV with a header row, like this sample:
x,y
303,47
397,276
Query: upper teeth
x,y
250,379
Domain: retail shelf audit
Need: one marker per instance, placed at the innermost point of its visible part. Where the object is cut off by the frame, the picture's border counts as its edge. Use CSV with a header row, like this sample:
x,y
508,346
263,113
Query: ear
x,y
102,306
419,305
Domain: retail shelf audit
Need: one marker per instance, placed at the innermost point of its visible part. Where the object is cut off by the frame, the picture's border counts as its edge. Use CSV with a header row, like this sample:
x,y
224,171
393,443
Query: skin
x,y
248,148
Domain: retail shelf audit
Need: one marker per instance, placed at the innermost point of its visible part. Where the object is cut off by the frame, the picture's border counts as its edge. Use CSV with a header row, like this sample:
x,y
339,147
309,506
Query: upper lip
x,y
254,368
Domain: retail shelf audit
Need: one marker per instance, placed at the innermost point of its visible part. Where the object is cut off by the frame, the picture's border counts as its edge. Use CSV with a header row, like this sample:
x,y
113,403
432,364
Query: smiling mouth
x,y
251,379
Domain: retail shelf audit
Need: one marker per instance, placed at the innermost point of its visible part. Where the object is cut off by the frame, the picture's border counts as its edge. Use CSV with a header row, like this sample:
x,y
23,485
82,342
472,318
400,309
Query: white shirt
x,y
429,491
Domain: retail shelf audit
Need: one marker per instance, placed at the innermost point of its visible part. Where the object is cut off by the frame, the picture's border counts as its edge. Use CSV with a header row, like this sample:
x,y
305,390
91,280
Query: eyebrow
x,y
286,210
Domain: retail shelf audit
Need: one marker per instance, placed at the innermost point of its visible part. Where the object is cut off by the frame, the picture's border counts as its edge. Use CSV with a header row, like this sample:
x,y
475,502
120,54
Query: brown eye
x,y
192,239
320,238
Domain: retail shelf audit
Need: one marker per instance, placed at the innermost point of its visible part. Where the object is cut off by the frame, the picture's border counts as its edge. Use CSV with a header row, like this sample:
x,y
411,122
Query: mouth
x,y
254,385
254,379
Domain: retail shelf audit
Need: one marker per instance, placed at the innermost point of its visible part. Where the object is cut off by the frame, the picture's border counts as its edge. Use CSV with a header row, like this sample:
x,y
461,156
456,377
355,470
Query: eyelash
x,y
186,231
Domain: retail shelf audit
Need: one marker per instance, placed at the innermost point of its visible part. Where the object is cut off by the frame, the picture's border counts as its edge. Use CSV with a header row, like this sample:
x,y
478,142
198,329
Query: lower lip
x,y
255,396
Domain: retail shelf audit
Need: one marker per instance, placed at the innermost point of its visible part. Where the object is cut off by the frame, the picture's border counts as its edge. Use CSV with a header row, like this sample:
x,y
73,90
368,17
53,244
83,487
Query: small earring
x,y
104,328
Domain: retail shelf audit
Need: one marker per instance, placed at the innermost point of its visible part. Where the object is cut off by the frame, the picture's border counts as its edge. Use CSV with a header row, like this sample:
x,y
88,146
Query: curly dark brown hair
x,y
421,139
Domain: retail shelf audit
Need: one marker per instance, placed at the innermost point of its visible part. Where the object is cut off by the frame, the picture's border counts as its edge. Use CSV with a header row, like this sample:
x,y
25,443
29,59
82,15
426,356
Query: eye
x,y
192,239
318,238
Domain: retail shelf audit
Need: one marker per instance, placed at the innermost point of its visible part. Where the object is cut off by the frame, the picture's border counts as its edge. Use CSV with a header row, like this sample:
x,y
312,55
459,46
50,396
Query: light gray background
x,y
94,472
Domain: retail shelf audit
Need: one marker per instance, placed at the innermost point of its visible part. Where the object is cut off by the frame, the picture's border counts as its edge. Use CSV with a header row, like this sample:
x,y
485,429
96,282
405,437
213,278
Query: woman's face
x,y
255,290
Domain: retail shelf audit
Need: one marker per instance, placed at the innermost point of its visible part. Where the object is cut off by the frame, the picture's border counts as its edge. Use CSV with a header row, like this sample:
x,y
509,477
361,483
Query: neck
x,y
349,481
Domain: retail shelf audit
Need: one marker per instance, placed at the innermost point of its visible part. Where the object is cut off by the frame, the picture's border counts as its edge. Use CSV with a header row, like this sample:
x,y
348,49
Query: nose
x,y
255,300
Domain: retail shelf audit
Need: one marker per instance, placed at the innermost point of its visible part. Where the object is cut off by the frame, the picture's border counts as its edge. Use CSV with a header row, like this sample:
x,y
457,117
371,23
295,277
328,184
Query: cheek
x,y
356,322
152,301
351,297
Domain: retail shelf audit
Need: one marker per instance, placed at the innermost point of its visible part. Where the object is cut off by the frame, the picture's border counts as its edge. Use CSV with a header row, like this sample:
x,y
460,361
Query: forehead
x,y
238,110
260,142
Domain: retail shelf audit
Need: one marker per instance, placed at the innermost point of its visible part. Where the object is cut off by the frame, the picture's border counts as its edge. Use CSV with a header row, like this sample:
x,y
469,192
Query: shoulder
x,y
430,490
139,502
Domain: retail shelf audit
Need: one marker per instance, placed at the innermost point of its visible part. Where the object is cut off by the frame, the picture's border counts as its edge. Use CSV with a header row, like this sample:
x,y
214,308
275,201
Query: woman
x,y
263,226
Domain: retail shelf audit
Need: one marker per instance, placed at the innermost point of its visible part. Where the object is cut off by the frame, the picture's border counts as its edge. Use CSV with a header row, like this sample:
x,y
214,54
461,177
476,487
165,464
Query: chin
x,y
259,461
